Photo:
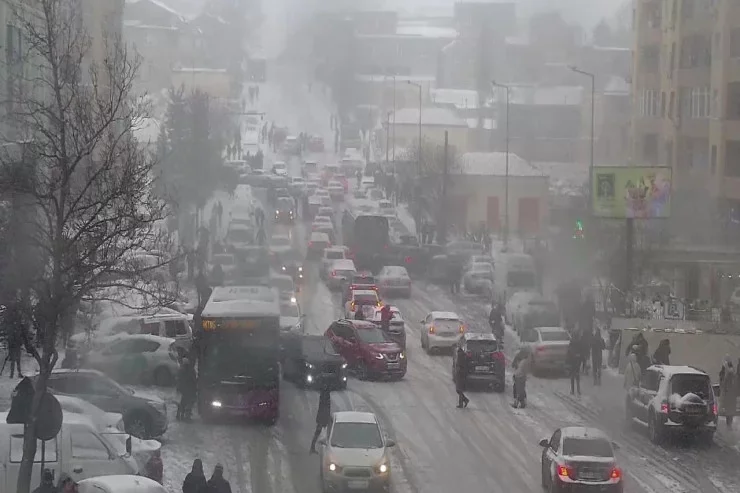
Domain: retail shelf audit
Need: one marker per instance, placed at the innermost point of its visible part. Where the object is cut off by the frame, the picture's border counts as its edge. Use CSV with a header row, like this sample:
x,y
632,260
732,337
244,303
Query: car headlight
x,y
309,365
300,269
402,355
284,268
216,403
378,356
333,467
277,212
382,468
344,366
293,300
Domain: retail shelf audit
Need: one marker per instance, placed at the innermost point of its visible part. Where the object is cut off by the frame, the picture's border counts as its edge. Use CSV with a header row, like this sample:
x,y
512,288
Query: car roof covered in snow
x,y
670,370
551,329
246,301
67,418
343,264
445,316
319,236
360,292
479,336
354,417
121,484
582,432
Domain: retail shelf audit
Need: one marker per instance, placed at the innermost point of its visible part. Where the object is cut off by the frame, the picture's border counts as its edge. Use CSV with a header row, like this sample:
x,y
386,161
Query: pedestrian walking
x,y
461,376
47,483
67,484
584,348
632,370
728,391
323,417
662,355
454,271
217,483
522,364
597,354
573,361
15,330
186,385
195,481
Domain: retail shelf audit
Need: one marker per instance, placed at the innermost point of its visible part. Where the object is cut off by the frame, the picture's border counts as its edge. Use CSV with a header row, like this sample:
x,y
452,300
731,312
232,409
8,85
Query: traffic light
x,y
578,230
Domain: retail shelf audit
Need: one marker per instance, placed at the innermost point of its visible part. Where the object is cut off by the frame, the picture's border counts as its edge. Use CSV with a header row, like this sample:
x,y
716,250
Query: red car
x,y
367,349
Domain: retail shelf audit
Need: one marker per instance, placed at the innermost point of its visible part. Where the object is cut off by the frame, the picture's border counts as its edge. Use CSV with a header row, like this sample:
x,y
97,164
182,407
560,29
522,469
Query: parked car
x,y
577,458
367,349
355,455
549,348
336,190
317,243
328,258
394,279
119,484
476,277
673,400
339,272
137,358
396,327
311,360
280,168
441,330
144,414
484,360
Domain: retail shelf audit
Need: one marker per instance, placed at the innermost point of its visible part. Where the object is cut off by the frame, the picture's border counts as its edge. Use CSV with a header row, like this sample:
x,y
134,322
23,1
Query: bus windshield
x,y
241,351
371,231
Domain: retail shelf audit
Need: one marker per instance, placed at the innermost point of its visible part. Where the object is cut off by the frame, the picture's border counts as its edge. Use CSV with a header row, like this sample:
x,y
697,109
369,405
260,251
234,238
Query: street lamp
x,y
593,103
418,156
387,136
506,180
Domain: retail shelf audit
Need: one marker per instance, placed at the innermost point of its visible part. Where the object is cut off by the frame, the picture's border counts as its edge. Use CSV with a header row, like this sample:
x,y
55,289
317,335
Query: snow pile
x,y
677,402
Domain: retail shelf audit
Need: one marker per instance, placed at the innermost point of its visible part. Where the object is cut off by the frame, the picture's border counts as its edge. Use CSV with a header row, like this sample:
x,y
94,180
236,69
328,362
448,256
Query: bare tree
x,y
94,223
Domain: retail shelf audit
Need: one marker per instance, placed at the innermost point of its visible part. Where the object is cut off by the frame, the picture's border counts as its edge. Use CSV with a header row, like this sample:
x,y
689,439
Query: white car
x,y
441,330
386,207
135,358
365,299
340,272
330,255
290,316
394,279
119,484
297,185
367,182
355,456
280,244
336,190
285,286
280,168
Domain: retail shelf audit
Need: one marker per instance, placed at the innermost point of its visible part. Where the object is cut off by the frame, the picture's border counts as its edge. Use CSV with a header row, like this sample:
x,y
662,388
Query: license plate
x,y
358,485
394,366
481,368
590,476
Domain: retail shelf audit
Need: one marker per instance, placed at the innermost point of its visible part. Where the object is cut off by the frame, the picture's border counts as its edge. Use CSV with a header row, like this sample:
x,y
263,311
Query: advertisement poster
x,y
634,192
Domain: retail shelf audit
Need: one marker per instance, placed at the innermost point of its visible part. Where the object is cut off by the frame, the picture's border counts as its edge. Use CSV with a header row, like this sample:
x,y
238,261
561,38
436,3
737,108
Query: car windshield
x,y
554,336
356,435
344,273
373,336
322,219
280,166
521,279
282,283
482,345
695,384
376,194
587,447
396,272
334,255
289,310
365,299
255,254
242,235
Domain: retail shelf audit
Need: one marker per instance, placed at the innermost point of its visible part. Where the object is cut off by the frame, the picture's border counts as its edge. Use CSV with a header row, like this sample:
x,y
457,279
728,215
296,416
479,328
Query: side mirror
x,y
322,441
390,443
545,443
128,445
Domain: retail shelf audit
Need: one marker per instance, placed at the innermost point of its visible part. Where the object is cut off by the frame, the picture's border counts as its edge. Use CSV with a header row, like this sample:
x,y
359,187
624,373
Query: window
x,y
555,441
735,43
662,104
649,102
696,51
587,447
732,111
341,330
182,328
143,346
121,347
687,9
701,106
86,445
650,380
170,328
356,435
16,450
151,328
650,59
732,158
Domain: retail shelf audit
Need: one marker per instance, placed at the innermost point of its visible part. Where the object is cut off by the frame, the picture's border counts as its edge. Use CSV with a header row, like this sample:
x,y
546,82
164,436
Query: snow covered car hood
x,y
288,322
357,456
148,396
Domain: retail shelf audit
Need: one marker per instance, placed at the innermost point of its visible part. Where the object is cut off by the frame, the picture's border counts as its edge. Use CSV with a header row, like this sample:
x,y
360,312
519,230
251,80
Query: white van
x,y
514,272
120,484
79,450
168,324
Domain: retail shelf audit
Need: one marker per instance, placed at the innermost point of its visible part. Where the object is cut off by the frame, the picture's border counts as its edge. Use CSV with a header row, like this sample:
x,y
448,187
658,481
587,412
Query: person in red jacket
x,y
385,317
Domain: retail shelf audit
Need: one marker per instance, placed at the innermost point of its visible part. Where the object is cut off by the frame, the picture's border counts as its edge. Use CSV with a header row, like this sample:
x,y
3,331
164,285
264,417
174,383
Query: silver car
x,y
394,279
477,276
549,347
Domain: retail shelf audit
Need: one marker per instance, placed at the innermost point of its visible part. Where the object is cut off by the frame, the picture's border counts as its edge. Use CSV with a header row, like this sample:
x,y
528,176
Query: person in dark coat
x,y
661,356
187,386
597,352
195,481
323,416
573,362
461,374
217,275
642,350
47,483
584,344
217,483
454,272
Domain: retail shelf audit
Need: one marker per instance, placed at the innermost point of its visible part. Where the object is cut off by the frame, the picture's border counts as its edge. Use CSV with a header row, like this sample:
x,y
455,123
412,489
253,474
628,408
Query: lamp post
x,y
418,156
593,104
506,179
387,136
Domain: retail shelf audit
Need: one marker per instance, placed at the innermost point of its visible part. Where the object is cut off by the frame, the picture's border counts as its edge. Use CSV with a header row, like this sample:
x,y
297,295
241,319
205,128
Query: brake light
x,y
615,473
540,349
461,329
432,329
565,472
714,409
333,273
498,355
469,354
408,260
310,244
664,408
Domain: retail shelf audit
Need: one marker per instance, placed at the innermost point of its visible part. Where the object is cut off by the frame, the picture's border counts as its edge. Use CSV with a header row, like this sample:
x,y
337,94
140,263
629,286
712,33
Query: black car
x,y
285,210
484,360
580,459
310,360
291,264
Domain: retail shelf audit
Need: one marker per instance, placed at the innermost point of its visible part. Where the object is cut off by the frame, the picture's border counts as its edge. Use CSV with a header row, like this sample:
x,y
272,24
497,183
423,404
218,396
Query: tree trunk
x,y
29,436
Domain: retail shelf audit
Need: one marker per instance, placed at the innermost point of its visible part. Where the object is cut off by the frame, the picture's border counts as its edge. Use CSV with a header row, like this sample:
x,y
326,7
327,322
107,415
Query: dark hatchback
x,y
484,360
310,361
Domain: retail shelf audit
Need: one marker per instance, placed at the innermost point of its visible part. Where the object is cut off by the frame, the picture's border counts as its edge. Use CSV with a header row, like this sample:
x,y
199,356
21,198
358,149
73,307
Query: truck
x,y
239,354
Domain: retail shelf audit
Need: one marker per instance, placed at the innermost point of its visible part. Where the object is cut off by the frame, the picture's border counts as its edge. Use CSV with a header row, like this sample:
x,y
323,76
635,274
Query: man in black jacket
x,y
217,483
323,417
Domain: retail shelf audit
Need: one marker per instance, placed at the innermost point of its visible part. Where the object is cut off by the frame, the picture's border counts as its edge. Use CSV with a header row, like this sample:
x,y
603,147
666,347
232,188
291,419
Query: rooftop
x,y
442,117
161,5
420,28
543,95
460,98
494,164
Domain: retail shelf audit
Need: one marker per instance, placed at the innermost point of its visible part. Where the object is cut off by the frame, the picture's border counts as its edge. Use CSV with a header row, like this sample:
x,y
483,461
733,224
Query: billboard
x,y
631,192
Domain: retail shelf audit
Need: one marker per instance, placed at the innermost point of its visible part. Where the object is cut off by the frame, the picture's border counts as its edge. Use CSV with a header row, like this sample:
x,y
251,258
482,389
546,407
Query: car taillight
x,y
408,260
469,354
540,349
333,273
498,356
664,408
310,244
615,473
714,409
565,471
461,329
432,329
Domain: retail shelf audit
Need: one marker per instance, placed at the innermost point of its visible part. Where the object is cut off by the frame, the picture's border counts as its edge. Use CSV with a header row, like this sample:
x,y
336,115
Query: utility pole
x,y
387,137
506,180
442,232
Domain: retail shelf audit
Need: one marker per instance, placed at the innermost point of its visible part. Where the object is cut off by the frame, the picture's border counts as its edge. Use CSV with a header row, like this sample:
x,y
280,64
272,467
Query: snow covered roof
x,y
669,370
199,69
460,98
354,416
488,123
543,95
582,432
494,164
617,86
429,116
123,483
